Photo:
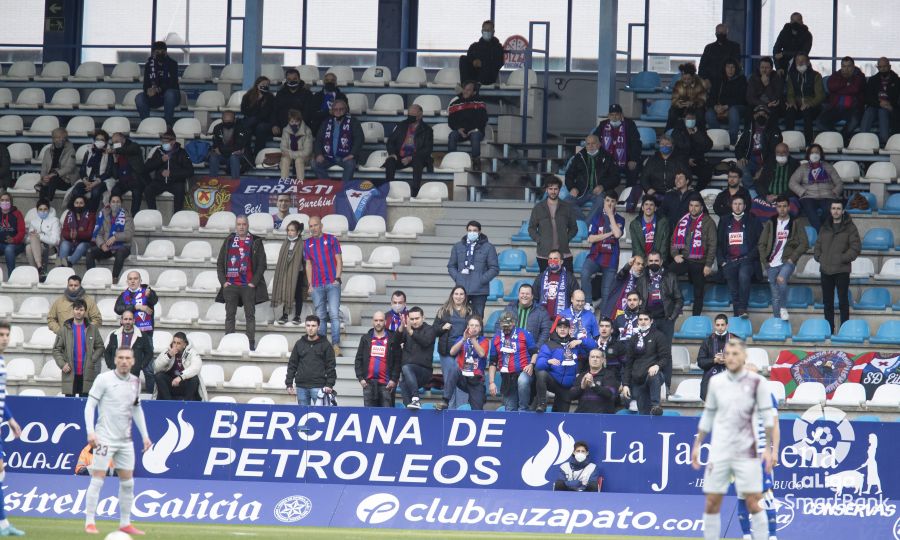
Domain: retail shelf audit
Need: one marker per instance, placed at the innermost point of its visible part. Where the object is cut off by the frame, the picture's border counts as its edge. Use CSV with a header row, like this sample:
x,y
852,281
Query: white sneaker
x,y
785,316
414,404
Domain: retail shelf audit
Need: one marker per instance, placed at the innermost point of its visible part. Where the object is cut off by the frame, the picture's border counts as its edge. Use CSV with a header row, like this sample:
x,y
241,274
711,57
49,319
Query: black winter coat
x,y
312,364
605,170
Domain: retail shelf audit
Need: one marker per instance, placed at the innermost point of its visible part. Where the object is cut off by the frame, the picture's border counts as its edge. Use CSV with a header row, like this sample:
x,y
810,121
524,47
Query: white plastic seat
x,y
234,101
890,270
431,104
22,277
406,227
20,369
215,315
368,227
16,337
720,138
388,104
795,140
117,124
195,251
301,218
88,71
183,221
50,372
516,79
376,160
343,74
162,339
455,162
232,73
127,103
848,394
152,126
681,358
880,172
335,224
158,250
848,170
433,192
181,312
862,268
64,98
54,71
37,160
375,76
81,151
41,338
383,257
688,391
56,278
171,280
261,400
42,126
447,77
33,307
351,255
886,395
276,380
32,392
205,281
261,223
358,103
5,97
830,141
398,192
200,72
97,278
212,376
80,126
273,72
187,128
25,184
20,153
808,393
373,133
11,124
758,357
107,308
863,143
124,72
261,158
222,220
441,133
148,220
273,250
811,270
309,74
410,77
20,71
233,345
272,345
200,342
346,319
7,307
222,399
359,286
209,100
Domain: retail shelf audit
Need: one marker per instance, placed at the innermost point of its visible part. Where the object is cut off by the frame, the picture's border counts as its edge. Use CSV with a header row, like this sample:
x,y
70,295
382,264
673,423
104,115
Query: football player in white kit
x,y
116,395
6,528
732,401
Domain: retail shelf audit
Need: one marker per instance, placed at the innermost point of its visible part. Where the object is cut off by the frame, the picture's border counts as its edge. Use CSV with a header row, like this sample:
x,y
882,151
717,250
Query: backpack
x,y
197,150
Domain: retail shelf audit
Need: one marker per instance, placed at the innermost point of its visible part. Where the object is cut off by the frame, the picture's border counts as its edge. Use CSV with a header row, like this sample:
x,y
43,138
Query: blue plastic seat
x,y
888,334
492,320
513,293
717,296
873,204
821,305
579,262
695,327
625,411
760,296
582,231
879,239
814,331
648,137
788,416
522,235
533,266
812,234
740,327
866,418
675,78
496,290
687,292
877,298
644,81
773,330
658,111
512,260
891,206
852,331
670,412
799,297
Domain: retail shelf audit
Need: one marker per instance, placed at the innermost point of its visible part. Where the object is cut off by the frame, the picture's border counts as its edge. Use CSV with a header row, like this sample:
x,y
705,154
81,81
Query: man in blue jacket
x,y
584,324
557,367
473,264
738,237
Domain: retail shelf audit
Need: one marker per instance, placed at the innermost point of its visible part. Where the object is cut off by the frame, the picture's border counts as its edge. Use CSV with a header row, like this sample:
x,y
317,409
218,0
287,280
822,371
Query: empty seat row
x,y
848,394
184,128
854,331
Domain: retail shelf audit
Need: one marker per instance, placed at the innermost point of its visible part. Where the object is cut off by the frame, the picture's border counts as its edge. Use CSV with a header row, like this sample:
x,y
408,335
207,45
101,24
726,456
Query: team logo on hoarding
x,y
292,509
377,508
175,439
556,451
824,434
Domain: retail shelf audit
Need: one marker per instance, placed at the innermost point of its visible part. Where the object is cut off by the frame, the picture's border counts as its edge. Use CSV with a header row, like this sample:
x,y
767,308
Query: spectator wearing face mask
x,y
294,95
554,285
398,315
473,264
319,106
817,183
96,170
58,167
774,178
756,145
229,140
846,99
160,84
692,143
114,237
648,352
43,234
738,238
483,60
169,168
128,169
257,107
296,145
658,174
410,145
711,357
339,142
805,94
578,474
795,38
620,139
287,288
77,230
591,173
716,55
12,231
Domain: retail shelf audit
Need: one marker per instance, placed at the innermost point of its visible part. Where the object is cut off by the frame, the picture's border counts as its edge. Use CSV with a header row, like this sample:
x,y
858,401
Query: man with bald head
x,y
882,100
324,266
774,178
59,169
378,363
410,145
592,172
241,268
714,55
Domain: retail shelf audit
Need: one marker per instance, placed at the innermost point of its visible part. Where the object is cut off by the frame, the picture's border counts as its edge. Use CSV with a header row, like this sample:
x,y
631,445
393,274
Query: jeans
x,y
516,390
72,253
884,122
736,114
694,270
246,295
306,396
815,210
453,394
376,395
168,101
779,290
10,251
120,255
588,269
647,394
474,136
216,160
841,281
738,275
327,304
477,303
321,168
413,377
545,382
749,172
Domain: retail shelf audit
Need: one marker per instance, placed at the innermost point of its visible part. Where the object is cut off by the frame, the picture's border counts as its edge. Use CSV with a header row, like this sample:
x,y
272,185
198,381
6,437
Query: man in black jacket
x,y
795,38
591,173
620,138
727,101
128,169
658,174
774,178
484,58
241,269
6,180
675,202
319,105
293,95
663,299
882,100
716,53
757,144
733,190
614,350
410,145
169,168
597,388
418,355
339,142
160,85
129,336
711,357
228,142
467,117
738,237
648,353
378,363
311,367
692,143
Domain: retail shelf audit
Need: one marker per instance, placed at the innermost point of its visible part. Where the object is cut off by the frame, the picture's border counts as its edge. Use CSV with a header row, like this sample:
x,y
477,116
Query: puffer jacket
x,y
800,185
555,349
477,280
191,362
837,246
48,228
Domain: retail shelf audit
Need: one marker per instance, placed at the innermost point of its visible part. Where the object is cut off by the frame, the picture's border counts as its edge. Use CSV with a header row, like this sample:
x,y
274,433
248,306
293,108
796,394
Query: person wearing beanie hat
x,y
160,84
169,168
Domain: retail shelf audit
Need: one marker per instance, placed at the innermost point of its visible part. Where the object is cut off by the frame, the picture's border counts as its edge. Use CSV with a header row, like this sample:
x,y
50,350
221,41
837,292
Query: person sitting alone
x,y
578,474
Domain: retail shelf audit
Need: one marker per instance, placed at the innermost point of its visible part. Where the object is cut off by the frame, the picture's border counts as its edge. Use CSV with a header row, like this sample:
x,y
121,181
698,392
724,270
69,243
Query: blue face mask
x,y
43,214
665,150
690,124
166,147
472,236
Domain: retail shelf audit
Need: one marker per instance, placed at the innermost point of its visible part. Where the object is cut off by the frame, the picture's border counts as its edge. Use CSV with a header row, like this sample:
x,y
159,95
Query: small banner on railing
x,y
831,368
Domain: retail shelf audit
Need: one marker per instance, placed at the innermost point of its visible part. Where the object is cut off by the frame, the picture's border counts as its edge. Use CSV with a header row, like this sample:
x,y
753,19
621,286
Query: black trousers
x,y
96,254
48,190
418,165
376,395
841,281
156,187
135,186
808,116
468,72
560,485
694,271
187,390
545,382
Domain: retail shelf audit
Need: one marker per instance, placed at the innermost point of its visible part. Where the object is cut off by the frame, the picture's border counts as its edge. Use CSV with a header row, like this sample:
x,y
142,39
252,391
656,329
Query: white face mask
x,y
722,333
781,160
738,216
471,236
615,123
580,457
117,145
293,237
100,144
643,328
803,68
593,152
815,158
486,35
398,308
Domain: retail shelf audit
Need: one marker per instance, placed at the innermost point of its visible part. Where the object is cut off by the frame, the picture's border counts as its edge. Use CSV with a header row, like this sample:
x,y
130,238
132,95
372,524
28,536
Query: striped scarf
x,y
338,145
560,297
681,235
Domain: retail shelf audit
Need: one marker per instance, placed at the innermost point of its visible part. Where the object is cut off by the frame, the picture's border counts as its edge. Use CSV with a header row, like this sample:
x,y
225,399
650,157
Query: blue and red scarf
x,y
695,234
238,267
614,141
344,140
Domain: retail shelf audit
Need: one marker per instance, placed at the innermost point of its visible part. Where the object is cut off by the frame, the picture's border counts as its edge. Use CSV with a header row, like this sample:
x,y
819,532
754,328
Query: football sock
x,y
126,498
712,526
93,496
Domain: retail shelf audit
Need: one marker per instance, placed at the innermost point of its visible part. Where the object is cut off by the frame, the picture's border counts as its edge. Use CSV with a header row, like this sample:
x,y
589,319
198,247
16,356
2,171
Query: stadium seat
x,y
212,376
5,97
351,255
152,126
830,141
232,73
848,394
261,223
688,391
233,345
360,286
16,337
863,143
878,239
810,270
201,342
183,221
433,192
209,100
195,251
33,307
335,224
876,298
773,330
54,71
50,372
582,233
852,331
148,220
799,297
681,358
171,280
41,338
512,260
447,77
22,70
64,98
888,333
303,219
82,151
848,170
20,369
862,269
273,251
695,327
56,278
20,153
496,290
648,137
107,307
344,74
374,133
492,321
7,307
222,220
431,104
658,111
181,312
410,77
309,74
261,400
760,296
221,399
41,153
720,139
115,124
125,72
22,277
187,128
886,395
516,79
11,124
368,227
127,103
522,234
513,292
441,133
880,172
206,281
42,126
383,257
644,81
389,104
758,357
872,205
891,206
808,393
374,76
358,103
98,278
717,296
80,126
245,377
406,227
795,140
272,346
234,101
158,250
740,327
813,331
